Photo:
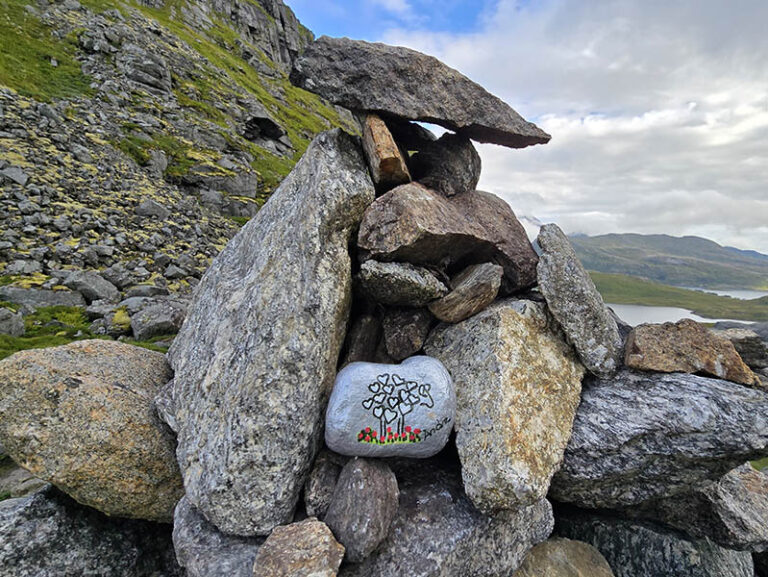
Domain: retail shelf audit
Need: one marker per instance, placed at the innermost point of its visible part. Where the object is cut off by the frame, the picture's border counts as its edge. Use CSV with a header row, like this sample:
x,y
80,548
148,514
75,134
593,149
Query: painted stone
x,y
379,410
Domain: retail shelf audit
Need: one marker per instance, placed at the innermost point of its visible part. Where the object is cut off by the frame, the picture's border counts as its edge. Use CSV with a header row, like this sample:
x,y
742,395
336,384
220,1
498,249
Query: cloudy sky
x,y
658,110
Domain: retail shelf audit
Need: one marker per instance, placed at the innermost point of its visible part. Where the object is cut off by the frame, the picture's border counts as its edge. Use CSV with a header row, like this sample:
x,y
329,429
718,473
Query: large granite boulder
x,y
81,417
409,85
256,357
643,436
576,304
49,535
635,549
437,531
517,389
732,512
689,347
414,224
564,558
204,551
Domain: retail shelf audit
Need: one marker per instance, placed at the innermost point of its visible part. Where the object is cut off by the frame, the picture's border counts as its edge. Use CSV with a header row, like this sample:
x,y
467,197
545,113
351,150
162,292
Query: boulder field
x,y
379,376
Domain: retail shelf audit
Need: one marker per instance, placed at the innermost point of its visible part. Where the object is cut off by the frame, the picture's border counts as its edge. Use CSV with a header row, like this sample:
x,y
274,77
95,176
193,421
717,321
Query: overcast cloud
x,y
658,111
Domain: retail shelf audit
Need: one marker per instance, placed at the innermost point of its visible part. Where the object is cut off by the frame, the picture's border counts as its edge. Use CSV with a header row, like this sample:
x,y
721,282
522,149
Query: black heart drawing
x,y
377,412
403,394
367,404
388,389
390,416
405,408
379,398
374,387
412,386
397,379
392,402
413,398
383,379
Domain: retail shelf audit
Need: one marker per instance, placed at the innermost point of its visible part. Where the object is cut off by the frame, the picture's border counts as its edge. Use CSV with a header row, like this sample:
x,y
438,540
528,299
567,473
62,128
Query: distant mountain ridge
x,y
688,261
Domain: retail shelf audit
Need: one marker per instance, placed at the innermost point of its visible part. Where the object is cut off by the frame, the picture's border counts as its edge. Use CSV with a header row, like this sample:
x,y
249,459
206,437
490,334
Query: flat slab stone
x,y
379,410
400,284
409,85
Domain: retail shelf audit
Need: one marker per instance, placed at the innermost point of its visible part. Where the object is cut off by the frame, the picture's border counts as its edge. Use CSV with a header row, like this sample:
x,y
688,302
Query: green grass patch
x,y
153,344
629,290
240,220
48,327
27,48
760,464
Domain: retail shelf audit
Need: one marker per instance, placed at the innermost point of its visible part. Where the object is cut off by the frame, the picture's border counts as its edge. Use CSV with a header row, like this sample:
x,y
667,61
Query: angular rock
x,y
564,558
640,436
759,328
635,549
575,303
362,339
405,330
752,348
400,284
49,535
37,298
11,323
268,361
165,317
92,286
80,416
206,552
318,490
414,224
303,549
473,289
517,389
449,165
409,85
378,410
363,506
732,512
689,347
152,208
15,481
388,166
437,531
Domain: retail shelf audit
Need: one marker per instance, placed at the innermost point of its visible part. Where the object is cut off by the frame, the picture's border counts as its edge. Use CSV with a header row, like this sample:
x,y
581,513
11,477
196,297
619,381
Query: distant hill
x,y
687,261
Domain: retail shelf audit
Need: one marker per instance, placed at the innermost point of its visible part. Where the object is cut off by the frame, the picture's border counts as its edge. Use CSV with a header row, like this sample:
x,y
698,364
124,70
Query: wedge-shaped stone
x,y
387,163
517,389
642,436
256,357
303,549
409,85
414,224
474,288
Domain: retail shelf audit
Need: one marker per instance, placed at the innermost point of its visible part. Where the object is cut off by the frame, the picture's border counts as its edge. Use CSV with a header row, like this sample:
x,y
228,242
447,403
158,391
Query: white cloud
x,y
658,112
400,8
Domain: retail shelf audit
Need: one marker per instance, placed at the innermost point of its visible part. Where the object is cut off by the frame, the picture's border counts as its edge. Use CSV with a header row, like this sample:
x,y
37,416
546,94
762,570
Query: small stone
x,y
92,286
400,284
474,288
409,135
363,506
450,165
381,410
144,290
362,339
318,490
564,558
15,174
162,318
303,549
405,331
752,348
414,224
11,323
388,167
517,389
687,347
174,272
575,303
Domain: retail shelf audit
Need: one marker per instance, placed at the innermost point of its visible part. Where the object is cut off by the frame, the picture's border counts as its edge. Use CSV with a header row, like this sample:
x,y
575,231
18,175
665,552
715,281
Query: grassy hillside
x,y
688,261
623,289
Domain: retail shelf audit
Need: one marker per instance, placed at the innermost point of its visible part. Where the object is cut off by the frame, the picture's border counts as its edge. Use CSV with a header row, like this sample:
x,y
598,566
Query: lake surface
x,y
638,314
744,295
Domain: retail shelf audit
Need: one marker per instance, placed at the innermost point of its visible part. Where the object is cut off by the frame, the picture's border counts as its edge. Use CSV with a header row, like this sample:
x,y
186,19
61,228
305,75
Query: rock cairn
x,y
379,376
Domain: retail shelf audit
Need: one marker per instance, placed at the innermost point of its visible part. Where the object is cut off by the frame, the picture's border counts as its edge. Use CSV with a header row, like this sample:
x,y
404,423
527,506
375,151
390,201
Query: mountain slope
x,y
688,261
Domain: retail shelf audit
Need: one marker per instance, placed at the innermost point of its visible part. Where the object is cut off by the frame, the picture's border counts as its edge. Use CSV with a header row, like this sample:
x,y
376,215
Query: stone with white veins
x,y
379,410
642,436
256,357
576,304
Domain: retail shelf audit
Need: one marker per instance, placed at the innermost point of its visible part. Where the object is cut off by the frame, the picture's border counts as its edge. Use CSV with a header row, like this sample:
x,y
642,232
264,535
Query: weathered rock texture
x,y
437,531
474,288
303,549
644,436
635,549
732,512
251,387
15,481
449,165
400,284
752,348
388,166
517,389
49,535
414,224
362,339
576,304
410,85
564,558
80,416
204,551
689,347
319,488
363,507
11,323
405,330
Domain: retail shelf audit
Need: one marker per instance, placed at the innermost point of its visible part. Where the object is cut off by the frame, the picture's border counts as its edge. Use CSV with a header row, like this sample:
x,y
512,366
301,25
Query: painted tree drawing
x,y
392,399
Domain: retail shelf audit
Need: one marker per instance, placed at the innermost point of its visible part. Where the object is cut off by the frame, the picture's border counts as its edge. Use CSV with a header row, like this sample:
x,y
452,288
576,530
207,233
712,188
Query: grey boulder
x,y
576,304
11,323
256,357
163,317
379,410
449,165
400,284
409,85
92,286
473,289
36,298
638,437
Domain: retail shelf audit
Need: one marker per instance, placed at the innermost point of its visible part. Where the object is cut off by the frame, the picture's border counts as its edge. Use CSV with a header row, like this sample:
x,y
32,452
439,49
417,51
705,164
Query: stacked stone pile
x,y
379,376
